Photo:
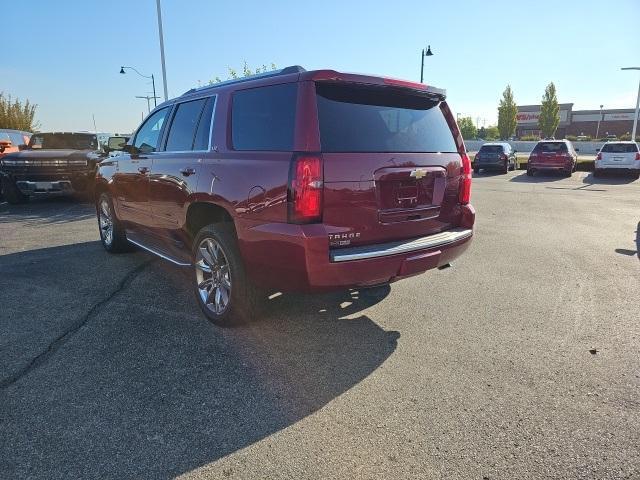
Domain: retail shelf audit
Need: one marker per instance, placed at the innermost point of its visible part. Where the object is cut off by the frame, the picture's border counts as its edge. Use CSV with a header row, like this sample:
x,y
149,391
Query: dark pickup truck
x,y
58,163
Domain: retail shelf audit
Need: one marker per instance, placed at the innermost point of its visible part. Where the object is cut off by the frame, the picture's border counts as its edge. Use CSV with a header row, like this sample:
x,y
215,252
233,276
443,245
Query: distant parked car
x,y
495,156
618,156
12,141
60,163
553,155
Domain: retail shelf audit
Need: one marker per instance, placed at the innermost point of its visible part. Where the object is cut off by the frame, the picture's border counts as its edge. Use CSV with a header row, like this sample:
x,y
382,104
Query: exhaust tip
x,y
445,266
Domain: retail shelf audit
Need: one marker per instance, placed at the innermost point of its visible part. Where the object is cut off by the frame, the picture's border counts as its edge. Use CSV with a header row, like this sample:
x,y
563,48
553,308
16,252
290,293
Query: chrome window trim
x,y
395,248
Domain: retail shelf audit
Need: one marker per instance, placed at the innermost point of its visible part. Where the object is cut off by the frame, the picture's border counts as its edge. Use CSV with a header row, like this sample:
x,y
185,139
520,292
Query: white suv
x,y
618,155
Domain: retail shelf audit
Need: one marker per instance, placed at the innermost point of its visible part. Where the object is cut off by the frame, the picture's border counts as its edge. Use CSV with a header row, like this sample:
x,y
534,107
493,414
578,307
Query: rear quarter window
x,y
263,118
372,119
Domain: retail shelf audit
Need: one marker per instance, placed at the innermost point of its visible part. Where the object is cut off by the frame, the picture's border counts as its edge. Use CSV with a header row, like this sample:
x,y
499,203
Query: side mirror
x,y
116,144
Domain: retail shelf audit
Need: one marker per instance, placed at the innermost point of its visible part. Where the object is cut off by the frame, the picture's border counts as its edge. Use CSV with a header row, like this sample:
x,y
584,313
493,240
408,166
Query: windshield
x,y
67,141
358,119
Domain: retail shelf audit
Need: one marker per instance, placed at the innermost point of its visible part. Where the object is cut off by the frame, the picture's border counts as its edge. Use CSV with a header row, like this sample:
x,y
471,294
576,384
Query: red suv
x,y
553,155
292,181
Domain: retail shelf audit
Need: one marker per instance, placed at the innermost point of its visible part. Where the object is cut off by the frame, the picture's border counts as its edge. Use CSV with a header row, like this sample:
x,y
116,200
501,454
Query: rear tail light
x,y
305,189
503,157
637,155
465,182
599,156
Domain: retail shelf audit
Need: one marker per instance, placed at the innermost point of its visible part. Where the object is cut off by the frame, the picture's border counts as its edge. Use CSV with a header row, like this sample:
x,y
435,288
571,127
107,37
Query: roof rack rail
x,y
273,73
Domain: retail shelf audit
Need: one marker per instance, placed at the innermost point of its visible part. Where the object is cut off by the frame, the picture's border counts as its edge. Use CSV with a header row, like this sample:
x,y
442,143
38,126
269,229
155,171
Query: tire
x,y
505,169
112,234
12,194
596,172
530,172
476,170
219,274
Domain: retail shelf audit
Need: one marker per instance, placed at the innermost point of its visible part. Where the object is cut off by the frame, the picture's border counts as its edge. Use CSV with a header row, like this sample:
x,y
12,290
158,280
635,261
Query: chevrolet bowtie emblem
x,y
418,173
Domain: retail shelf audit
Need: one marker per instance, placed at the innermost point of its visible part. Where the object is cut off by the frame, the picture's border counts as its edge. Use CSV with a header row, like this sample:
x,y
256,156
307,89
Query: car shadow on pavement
x,y
145,387
47,211
609,178
631,253
538,177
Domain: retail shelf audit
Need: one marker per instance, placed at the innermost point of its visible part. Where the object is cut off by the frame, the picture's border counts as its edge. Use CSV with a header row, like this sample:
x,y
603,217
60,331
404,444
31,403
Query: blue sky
x,y
65,55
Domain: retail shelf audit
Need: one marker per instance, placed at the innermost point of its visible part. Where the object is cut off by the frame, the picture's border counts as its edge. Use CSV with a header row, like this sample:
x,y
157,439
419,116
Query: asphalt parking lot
x,y
522,361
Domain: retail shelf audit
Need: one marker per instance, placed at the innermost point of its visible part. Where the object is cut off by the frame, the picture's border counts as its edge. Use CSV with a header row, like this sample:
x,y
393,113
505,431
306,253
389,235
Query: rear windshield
x,y
357,119
71,141
551,147
620,148
491,149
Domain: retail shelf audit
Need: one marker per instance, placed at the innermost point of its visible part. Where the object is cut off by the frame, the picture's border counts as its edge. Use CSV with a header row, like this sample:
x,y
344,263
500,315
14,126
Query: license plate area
x,y
407,194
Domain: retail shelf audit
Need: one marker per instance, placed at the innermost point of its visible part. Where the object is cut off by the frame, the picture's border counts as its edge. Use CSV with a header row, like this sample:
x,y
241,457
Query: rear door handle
x,y
143,170
187,171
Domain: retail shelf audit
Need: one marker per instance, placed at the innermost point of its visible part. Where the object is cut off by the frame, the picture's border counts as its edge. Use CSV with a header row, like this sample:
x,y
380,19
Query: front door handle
x,y
143,170
187,171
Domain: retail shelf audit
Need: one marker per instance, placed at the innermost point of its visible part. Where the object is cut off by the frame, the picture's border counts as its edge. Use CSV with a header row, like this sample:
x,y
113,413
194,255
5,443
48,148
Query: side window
x,y
184,125
148,135
263,118
204,127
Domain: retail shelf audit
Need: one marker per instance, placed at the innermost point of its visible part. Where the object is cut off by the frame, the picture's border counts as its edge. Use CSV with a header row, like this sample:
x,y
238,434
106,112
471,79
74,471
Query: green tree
x,y
549,112
492,133
246,72
467,128
507,112
16,114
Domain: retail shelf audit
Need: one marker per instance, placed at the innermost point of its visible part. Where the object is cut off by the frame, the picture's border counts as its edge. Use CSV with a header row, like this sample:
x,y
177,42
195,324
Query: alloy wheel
x,y
105,220
213,276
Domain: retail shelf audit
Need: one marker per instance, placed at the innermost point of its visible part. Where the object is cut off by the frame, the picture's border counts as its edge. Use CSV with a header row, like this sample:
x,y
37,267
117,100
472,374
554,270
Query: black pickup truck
x,y
57,163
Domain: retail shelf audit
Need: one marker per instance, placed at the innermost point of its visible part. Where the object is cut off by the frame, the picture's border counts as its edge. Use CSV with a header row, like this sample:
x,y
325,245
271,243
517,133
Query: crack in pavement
x,y
55,345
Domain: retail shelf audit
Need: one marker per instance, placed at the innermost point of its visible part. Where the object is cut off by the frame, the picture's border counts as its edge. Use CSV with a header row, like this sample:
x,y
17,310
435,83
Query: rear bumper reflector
x,y
405,246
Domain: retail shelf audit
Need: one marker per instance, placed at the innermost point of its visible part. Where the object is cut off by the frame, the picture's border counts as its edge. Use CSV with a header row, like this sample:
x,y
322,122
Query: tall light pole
x,y
599,118
423,54
164,68
153,81
635,118
147,98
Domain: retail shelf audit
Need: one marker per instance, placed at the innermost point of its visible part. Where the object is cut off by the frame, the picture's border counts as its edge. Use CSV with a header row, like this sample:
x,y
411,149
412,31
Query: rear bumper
x,y
489,164
290,257
565,167
634,167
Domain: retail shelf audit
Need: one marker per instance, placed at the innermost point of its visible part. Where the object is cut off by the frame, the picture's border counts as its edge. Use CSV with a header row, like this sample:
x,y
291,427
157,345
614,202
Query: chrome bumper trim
x,y
394,248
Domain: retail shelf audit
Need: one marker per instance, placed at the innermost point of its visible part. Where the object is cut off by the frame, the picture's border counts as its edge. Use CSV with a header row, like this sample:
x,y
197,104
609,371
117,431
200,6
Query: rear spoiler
x,y
333,76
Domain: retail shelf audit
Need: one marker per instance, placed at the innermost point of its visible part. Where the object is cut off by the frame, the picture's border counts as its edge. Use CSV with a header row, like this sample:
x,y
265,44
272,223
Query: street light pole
x,y
423,54
164,68
153,81
635,118
598,127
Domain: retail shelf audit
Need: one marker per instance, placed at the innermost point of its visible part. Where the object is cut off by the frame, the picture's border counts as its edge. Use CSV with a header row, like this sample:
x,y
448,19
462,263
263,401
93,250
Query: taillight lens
x,y
638,156
305,189
465,182
599,156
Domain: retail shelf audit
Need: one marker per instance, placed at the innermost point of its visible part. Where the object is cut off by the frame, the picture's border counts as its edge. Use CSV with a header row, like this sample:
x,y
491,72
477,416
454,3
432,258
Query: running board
x,y
161,255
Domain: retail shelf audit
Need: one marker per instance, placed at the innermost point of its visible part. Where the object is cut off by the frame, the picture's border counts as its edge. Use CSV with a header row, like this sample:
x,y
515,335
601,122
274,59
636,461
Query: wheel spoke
x,y
206,256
